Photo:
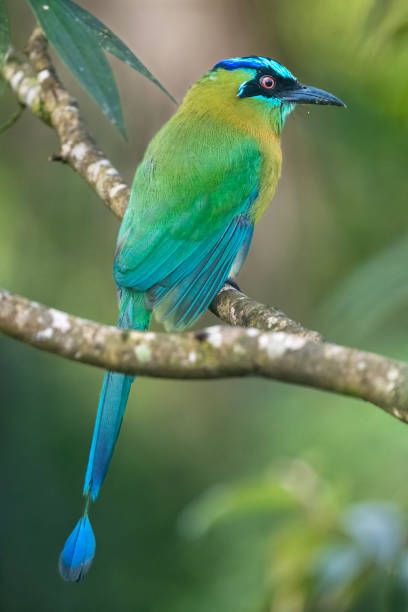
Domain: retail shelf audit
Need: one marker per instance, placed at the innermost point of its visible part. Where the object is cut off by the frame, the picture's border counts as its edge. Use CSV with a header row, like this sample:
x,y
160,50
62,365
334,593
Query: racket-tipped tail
x,y
78,552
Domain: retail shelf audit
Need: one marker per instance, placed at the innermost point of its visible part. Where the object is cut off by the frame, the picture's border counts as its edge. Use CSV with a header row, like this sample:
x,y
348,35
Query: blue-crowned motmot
x,y
204,182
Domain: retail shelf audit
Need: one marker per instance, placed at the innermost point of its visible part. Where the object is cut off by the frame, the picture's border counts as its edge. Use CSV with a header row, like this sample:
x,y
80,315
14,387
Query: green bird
x,y
204,182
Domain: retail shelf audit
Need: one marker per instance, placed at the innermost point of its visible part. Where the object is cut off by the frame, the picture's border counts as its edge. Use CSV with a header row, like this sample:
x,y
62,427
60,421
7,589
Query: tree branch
x,y
234,307
215,352
38,87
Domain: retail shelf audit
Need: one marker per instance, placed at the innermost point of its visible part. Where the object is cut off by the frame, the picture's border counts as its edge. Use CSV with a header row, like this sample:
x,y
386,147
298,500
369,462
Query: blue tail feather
x,y
79,548
78,552
112,405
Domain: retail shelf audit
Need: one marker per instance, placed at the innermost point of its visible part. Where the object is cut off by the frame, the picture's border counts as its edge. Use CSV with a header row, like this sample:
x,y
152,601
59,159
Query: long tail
x,y
79,548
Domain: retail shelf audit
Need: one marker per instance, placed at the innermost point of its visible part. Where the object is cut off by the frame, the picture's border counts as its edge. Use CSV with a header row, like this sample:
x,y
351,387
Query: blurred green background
x,y
331,251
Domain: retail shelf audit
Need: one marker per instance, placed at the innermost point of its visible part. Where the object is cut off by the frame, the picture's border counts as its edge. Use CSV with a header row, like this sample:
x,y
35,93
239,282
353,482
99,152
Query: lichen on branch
x,y
214,352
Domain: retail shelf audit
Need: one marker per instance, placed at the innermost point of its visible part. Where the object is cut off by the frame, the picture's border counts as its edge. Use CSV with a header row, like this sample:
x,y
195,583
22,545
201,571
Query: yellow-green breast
x,y
216,94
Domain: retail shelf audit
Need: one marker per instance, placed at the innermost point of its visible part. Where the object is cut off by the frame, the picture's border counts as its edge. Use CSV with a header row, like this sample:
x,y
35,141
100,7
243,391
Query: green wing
x,y
188,218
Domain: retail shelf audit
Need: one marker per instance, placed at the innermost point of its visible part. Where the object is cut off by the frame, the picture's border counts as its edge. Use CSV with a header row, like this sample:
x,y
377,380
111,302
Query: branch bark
x,y
234,307
215,352
38,87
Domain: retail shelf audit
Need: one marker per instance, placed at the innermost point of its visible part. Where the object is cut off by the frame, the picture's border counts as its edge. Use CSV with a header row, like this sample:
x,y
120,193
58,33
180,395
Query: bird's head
x,y
258,86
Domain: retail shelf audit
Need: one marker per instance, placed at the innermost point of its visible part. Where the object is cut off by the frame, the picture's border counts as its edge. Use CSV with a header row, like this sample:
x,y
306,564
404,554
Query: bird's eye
x,y
267,82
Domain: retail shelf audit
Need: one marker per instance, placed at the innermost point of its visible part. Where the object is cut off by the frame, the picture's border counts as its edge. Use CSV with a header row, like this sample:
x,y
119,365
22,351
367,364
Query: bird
x,y
204,182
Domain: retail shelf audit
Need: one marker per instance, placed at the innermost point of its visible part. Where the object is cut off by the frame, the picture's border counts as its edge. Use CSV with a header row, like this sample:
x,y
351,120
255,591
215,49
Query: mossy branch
x,y
214,352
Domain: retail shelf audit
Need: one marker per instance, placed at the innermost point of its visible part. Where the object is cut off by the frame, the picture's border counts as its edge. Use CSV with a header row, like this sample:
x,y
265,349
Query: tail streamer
x,y
79,549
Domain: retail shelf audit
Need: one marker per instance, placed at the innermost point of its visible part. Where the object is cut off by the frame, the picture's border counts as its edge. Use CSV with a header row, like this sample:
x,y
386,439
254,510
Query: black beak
x,y
304,94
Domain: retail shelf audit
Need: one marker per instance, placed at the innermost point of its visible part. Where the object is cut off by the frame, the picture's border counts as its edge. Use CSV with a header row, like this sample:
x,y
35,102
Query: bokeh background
x,y
237,495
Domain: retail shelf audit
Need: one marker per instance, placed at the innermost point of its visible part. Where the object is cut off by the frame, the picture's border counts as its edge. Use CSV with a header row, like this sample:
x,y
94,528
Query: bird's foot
x,y
233,283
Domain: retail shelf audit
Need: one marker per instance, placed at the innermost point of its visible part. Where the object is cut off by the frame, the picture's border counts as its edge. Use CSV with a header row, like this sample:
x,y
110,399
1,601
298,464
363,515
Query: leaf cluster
x,y
81,41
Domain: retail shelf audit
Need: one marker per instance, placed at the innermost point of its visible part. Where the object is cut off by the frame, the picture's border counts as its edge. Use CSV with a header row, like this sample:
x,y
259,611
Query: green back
x,y
195,177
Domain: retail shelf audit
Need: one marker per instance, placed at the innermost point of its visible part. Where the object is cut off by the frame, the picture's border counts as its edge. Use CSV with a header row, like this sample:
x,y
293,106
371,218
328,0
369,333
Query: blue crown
x,y
255,62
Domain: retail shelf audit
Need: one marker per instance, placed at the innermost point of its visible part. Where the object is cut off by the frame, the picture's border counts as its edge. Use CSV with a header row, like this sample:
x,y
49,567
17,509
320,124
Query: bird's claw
x,y
233,283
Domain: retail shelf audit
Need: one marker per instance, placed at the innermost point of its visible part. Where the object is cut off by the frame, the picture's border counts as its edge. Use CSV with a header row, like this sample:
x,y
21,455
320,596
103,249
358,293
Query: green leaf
x,y
4,86
221,502
12,119
80,51
111,43
367,298
4,32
